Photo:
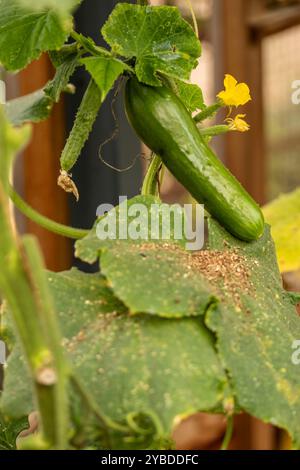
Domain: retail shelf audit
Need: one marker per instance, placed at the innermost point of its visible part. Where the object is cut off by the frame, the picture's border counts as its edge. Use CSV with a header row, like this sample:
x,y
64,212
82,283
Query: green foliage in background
x,y
283,214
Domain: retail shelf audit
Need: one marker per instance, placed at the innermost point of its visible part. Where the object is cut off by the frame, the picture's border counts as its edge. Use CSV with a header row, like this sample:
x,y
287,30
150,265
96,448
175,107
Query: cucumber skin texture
x,y
163,123
82,127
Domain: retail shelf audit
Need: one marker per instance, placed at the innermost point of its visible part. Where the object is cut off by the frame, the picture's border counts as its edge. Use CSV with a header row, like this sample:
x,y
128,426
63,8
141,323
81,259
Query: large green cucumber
x,y
162,122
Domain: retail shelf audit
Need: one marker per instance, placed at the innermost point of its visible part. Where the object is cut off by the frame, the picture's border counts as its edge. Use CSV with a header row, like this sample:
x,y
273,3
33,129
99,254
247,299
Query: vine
x,y
228,434
45,222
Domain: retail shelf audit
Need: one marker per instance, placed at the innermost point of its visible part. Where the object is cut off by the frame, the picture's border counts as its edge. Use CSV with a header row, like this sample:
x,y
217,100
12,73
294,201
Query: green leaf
x,y
25,34
88,249
164,369
148,278
37,106
62,55
254,319
90,46
34,107
157,37
255,338
61,6
67,65
104,71
9,431
283,215
190,94
131,265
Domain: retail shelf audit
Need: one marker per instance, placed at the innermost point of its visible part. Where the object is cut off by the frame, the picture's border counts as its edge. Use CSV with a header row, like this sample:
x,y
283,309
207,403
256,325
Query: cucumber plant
x,y
165,125
117,359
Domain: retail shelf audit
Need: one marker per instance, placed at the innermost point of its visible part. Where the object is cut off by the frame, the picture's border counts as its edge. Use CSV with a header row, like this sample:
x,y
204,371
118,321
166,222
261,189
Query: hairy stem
x,y
214,130
53,395
43,221
23,284
207,112
88,46
20,286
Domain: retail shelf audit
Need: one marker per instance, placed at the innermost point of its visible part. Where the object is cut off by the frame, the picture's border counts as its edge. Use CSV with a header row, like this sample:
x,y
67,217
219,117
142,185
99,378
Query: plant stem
x,y
150,184
207,112
295,296
89,46
24,286
228,434
214,130
53,397
75,36
43,221
22,293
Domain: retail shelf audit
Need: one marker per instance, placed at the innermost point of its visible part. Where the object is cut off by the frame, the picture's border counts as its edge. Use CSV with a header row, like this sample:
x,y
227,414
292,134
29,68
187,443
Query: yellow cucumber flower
x,y
238,123
235,94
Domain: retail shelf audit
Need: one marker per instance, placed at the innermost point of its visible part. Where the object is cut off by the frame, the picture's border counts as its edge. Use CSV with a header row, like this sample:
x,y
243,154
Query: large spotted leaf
x,y
254,319
131,366
151,277
256,336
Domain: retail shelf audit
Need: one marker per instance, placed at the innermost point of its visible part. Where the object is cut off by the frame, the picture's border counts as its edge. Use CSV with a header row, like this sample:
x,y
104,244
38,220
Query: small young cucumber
x,y
163,123
84,121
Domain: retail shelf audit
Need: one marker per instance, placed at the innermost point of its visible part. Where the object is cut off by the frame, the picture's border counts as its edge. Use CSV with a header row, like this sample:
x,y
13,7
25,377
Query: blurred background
x,y
256,41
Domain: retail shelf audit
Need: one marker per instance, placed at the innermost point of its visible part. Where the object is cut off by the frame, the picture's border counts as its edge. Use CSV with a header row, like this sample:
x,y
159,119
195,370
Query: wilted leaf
x,y
283,215
162,368
25,34
157,37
